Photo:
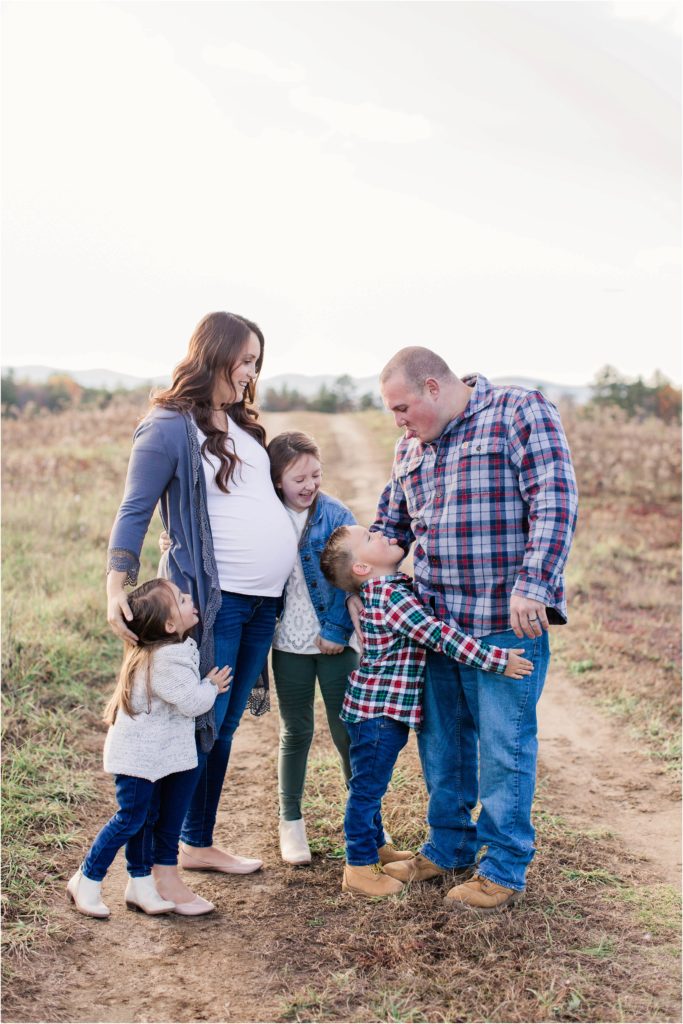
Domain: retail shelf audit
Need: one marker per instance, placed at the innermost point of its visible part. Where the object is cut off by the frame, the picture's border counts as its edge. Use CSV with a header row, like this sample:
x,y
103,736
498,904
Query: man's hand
x,y
164,542
328,646
355,607
527,617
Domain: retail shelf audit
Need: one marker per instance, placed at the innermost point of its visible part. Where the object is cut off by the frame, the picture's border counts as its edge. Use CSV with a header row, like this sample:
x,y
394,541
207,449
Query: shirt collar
x,y
375,584
479,399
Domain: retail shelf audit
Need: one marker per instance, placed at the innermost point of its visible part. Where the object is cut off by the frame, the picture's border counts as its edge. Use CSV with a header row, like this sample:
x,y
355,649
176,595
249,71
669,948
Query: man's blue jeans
x,y
243,633
463,706
147,822
375,746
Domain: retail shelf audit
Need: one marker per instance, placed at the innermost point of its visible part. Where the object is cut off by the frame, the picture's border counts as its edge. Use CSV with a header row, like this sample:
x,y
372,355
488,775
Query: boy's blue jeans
x,y
375,746
464,707
243,633
148,823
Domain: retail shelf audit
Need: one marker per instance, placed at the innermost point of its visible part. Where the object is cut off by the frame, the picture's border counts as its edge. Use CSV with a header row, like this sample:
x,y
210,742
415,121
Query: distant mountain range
x,y
111,380
306,385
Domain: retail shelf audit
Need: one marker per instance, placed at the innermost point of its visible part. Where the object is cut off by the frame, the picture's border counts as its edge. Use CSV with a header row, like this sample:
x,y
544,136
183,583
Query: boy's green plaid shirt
x,y
396,630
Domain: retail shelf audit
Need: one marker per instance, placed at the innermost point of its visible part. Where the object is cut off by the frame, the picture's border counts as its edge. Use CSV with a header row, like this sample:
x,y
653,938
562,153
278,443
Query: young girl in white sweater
x,y
150,749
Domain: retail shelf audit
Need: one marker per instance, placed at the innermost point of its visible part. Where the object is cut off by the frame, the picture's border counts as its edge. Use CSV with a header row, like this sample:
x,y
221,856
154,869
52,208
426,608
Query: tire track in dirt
x,y
597,777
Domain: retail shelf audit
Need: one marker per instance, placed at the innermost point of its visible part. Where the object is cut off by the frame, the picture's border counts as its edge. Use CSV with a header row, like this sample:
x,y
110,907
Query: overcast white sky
x,y
498,181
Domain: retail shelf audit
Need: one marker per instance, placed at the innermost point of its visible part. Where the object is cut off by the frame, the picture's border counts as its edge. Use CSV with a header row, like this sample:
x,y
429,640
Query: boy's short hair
x,y
336,561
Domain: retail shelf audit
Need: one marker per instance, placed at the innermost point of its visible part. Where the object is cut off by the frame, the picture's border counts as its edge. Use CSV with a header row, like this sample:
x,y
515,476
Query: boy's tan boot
x,y
480,895
369,880
415,869
388,855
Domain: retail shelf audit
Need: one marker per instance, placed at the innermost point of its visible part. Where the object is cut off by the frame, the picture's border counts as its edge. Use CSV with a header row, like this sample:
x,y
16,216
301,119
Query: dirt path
x,y
234,965
597,777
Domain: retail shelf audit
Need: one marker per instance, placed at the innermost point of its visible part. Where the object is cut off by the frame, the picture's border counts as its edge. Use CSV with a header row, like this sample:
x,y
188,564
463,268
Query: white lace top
x,y
298,626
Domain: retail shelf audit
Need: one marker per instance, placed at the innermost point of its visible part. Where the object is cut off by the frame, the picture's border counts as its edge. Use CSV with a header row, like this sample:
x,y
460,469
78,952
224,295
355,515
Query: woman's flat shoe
x,y
195,908
238,865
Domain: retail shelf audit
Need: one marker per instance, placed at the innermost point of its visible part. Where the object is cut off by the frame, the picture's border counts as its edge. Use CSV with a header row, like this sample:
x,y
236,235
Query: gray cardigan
x,y
165,467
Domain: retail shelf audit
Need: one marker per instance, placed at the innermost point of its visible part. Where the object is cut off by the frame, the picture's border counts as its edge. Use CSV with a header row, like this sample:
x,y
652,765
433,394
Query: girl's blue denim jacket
x,y
329,603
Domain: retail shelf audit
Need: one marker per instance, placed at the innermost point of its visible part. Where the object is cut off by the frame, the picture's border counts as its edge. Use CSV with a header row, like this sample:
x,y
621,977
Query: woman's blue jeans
x,y
464,707
147,822
375,746
243,633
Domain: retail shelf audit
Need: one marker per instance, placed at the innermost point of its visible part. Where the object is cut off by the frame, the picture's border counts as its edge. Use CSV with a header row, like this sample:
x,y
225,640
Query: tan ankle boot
x,y
369,880
388,855
86,896
480,895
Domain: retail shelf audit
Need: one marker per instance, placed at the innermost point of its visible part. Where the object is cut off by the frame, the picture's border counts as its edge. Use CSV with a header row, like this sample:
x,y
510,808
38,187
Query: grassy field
x,y
591,942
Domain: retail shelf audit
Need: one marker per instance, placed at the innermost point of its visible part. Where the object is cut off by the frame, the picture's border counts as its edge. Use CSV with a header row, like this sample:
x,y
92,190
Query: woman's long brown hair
x,y
215,347
151,604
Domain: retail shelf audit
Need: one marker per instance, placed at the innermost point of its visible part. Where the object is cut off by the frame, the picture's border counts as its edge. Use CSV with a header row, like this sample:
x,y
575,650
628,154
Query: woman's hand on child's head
x,y
518,667
221,678
164,542
118,613
328,646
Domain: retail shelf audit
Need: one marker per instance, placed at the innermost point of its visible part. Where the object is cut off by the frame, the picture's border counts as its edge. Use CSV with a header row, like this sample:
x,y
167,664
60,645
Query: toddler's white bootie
x,y
293,843
86,895
142,894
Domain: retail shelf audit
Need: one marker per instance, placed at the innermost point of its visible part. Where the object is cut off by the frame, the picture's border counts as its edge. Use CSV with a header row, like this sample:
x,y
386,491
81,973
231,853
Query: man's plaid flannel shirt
x,y
396,630
491,505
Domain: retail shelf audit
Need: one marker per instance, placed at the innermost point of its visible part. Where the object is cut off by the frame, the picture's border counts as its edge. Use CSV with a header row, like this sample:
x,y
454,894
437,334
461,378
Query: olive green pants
x,y
295,676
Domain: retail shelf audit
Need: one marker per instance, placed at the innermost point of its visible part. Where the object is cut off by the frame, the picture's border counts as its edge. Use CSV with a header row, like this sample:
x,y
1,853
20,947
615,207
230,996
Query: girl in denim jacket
x,y
312,636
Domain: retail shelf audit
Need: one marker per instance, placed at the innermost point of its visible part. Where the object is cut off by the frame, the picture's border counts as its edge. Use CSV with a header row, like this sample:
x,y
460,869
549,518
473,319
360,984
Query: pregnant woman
x,y
200,453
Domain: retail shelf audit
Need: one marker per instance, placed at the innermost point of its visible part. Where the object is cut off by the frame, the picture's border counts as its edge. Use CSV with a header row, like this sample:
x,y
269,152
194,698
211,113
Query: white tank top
x,y
253,538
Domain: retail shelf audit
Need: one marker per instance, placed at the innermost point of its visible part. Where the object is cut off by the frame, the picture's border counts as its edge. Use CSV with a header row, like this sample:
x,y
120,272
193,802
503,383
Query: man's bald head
x,y
422,392
417,364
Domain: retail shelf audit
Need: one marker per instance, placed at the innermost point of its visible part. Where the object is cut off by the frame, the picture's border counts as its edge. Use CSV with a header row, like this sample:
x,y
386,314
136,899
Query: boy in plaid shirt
x,y
383,695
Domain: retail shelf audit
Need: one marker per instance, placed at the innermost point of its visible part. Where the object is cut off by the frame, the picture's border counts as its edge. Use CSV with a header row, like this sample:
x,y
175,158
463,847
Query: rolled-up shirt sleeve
x,y
540,454
392,517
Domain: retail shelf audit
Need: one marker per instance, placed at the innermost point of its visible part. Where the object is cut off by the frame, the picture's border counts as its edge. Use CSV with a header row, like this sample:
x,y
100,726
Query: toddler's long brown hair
x,y
151,604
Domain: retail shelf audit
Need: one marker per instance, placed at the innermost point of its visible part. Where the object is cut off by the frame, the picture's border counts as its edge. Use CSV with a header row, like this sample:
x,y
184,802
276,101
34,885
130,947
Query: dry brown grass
x,y
591,942
624,574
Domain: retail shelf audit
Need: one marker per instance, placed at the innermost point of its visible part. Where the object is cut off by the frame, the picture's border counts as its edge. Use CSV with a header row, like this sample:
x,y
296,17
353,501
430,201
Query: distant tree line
x,y
342,396
636,397
60,391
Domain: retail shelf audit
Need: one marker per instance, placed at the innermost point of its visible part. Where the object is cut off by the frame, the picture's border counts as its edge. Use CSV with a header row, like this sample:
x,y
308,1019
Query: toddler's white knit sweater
x,y
159,739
